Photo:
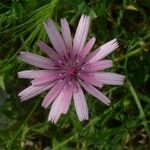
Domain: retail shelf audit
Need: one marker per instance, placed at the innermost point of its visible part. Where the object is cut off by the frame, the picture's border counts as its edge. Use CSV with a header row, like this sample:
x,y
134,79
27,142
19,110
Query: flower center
x,y
72,71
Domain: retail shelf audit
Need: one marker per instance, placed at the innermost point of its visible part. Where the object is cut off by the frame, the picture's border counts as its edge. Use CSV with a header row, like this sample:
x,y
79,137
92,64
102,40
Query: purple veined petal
x,y
33,91
95,92
87,47
74,85
56,110
53,93
109,78
80,104
55,37
99,65
103,51
81,33
68,91
66,33
35,60
46,79
48,50
61,104
78,31
33,74
85,33
90,80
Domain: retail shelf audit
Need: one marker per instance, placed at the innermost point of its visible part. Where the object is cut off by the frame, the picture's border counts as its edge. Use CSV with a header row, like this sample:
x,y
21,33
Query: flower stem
x,y
10,145
142,114
130,54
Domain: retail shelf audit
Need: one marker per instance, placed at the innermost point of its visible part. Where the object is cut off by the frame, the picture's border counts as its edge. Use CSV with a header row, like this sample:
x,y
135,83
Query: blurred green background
x,y
125,125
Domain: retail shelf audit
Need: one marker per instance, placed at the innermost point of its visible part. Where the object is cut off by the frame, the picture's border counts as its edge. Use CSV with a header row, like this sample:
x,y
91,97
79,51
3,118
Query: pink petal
x,y
33,91
66,33
81,33
56,110
90,79
46,79
76,37
68,91
35,60
100,65
55,37
85,33
87,47
80,104
32,74
53,93
109,78
103,50
48,50
95,92
61,103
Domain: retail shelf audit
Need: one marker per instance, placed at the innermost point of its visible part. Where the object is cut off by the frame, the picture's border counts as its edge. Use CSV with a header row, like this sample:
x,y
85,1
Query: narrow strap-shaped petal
x,y
35,60
90,80
109,78
32,74
68,91
48,50
95,92
103,51
87,47
85,33
46,79
81,33
100,65
66,33
76,37
56,110
80,104
33,91
61,103
55,37
53,93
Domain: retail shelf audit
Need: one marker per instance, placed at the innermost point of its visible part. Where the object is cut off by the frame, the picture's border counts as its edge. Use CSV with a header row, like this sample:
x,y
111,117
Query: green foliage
x,y
124,125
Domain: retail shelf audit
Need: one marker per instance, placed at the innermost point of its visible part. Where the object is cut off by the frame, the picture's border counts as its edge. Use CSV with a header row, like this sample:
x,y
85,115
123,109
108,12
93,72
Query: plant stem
x,y
130,54
23,125
142,114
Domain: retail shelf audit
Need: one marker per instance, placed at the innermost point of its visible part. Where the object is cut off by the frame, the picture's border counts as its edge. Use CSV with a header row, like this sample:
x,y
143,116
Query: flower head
x,y
69,68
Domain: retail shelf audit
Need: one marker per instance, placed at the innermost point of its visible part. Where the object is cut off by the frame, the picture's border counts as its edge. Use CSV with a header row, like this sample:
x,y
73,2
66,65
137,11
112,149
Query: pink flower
x,y
68,68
